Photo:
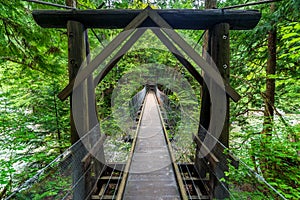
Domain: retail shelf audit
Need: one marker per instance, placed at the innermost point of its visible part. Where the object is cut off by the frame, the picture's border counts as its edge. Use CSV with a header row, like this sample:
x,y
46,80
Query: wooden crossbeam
x,y
177,18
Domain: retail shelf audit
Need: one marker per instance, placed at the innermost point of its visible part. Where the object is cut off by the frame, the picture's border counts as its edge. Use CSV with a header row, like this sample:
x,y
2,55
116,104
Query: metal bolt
x,y
224,37
225,66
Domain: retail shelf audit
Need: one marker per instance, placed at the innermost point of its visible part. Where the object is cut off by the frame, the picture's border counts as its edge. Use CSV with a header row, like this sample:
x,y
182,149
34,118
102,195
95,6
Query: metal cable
x,y
75,149
98,38
70,8
119,180
193,181
223,165
248,167
185,183
200,38
91,192
250,4
107,184
50,4
220,181
28,183
262,179
77,182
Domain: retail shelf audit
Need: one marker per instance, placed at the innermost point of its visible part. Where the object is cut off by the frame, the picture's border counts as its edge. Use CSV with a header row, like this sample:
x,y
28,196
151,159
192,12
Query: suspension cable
x,y
193,182
81,178
248,167
28,183
200,38
185,183
259,177
108,182
220,181
50,4
95,185
250,4
119,180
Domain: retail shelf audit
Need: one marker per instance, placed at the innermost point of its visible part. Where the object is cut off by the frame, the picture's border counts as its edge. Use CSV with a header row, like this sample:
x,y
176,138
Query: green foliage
x,y
33,122
276,157
33,70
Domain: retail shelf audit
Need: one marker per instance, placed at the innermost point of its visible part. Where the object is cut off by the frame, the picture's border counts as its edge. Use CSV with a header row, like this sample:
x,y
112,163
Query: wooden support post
x,y
200,163
76,56
216,45
97,161
220,53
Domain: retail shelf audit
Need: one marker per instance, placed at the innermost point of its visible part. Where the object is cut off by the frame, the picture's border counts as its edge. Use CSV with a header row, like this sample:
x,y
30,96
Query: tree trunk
x,y
270,81
269,97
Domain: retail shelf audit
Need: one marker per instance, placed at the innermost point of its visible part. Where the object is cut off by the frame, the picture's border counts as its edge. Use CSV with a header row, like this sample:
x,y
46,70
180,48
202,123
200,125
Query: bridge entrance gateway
x,y
199,180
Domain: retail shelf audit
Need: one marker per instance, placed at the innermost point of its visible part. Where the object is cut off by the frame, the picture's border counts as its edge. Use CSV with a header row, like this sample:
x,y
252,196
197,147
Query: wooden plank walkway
x,y
151,174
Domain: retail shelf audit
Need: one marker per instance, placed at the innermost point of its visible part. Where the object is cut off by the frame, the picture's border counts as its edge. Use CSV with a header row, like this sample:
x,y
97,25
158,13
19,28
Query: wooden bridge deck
x,y
151,174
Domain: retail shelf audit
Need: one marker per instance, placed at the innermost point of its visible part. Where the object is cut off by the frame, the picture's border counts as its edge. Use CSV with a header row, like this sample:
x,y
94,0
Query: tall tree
x,y
270,79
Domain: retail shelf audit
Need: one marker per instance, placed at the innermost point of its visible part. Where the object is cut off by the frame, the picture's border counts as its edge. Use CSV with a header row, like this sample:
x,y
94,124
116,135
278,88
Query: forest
x,y
264,70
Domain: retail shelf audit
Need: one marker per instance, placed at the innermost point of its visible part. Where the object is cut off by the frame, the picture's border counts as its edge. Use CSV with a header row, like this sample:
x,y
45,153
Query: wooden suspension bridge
x,y
151,171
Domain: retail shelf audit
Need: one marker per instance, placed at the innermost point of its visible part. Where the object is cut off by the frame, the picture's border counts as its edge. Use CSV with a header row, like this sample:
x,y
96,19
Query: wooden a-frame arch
x,y
168,37
135,32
